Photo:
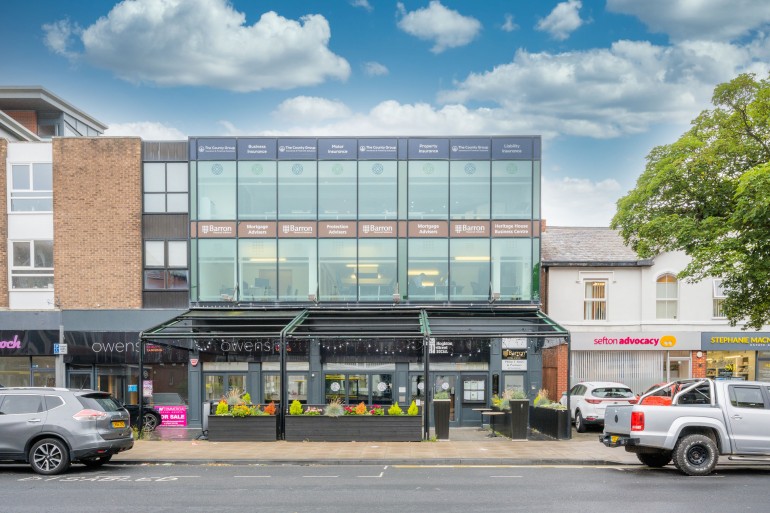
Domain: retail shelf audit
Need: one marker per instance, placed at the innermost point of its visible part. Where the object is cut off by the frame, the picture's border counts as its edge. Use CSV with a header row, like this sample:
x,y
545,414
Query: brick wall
x,y
28,118
698,364
97,222
3,224
555,371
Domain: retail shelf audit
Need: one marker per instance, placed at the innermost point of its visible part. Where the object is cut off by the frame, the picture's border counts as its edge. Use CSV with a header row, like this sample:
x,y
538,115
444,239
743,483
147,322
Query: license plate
x,y
118,423
614,439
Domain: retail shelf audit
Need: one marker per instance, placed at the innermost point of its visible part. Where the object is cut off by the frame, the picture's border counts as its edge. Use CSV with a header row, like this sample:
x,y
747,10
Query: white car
x,y
589,399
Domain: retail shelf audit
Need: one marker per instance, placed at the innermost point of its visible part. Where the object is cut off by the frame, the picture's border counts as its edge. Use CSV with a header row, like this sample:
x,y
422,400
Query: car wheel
x,y
696,455
580,424
49,456
150,422
655,459
96,462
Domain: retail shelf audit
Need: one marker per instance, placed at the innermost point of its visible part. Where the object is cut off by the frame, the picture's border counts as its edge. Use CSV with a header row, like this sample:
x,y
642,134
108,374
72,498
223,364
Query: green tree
x,y
708,194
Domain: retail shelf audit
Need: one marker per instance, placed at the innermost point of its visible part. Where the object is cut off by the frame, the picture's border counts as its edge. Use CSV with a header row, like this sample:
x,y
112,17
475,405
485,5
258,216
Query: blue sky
x,y
602,81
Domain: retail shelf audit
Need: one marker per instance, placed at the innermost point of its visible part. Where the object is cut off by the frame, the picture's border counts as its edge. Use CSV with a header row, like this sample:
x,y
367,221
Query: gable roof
x,y
584,246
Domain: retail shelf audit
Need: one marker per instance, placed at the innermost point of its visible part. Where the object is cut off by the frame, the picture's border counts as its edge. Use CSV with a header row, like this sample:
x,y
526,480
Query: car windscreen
x,y
99,402
612,393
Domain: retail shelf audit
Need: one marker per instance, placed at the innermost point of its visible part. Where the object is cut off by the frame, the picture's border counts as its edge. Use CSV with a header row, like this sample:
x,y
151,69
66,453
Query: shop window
x,y
666,296
32,187
595,301
165,187
32,264
719,298
165,265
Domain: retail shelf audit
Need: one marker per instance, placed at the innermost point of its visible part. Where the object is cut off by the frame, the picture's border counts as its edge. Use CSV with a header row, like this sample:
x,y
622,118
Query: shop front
x,y
27,358
737,355
636,359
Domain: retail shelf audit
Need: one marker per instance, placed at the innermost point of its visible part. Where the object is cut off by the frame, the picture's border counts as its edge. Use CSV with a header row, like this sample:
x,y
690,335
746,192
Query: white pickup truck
x,y
704,419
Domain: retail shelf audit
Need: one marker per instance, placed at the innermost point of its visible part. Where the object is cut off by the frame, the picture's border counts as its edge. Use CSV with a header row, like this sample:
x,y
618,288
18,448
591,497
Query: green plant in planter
x,y
334,408
295,408
413,409
241,410
234,397
542,398
441,394
395,410
246,398
222,408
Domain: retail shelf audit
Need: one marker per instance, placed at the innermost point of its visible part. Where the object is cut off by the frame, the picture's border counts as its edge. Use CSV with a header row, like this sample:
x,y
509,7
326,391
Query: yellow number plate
x,y
118,423
614,439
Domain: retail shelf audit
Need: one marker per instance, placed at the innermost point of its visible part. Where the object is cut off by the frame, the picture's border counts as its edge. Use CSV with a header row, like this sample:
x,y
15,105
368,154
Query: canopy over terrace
x,y
202,329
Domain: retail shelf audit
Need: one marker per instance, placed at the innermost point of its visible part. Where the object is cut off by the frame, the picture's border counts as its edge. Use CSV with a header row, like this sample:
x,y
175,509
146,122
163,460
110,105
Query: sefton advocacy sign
x,y
635,341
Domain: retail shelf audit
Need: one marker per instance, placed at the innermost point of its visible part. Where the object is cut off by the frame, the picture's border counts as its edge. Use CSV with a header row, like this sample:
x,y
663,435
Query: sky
x,y
602,81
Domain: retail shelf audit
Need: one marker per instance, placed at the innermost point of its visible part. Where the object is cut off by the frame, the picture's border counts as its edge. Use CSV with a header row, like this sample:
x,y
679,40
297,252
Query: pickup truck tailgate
x,y
617,419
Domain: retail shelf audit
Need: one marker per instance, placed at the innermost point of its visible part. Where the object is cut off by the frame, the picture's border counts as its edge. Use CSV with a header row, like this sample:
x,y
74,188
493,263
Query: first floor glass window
x,y
595,301
32,264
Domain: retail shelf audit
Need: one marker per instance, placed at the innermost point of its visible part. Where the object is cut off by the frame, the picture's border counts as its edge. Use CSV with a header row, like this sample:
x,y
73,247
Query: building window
x,y
719,298
165,187
32,187
32,264
666,297
595,303
165,265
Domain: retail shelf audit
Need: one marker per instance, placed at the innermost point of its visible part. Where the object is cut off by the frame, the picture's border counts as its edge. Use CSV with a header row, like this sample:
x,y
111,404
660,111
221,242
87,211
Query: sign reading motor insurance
x,y
337,149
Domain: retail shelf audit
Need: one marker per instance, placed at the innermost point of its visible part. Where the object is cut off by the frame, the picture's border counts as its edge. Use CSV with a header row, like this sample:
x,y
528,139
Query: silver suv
x,y
51,427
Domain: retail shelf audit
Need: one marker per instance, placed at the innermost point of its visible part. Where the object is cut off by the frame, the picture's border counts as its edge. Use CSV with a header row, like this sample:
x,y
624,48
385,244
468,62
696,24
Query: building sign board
x,y
511,228
420,229
337,149
216,229
635,341
257,229
375,229
297,149
216,149
297,229
469,229
512,148
335,229
735,341
375,149
256,149
428,148
514,360
470,149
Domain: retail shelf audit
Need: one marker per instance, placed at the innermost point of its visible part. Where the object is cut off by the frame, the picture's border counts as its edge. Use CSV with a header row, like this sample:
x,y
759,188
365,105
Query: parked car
x,y
50,428
589,399
152,418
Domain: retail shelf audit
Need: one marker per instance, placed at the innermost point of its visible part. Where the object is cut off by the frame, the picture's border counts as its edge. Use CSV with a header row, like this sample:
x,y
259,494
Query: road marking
x,y
381,473
255,477
505,476
322,476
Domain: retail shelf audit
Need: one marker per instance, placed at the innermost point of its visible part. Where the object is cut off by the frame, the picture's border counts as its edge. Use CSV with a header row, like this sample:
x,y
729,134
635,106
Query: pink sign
x,y
173,415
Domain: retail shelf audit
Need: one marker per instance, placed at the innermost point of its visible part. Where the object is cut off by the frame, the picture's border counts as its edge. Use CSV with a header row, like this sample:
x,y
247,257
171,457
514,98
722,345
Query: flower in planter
x,y
270,408
241,410
395,410
361,409
377,410
312,410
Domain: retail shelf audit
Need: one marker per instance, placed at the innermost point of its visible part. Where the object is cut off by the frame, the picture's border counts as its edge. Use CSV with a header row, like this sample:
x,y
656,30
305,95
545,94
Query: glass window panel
x,y
428,189
258,269
257,182
428,269
19,281
154,203
382,389
216,196
376,269
216,269
176,177
36,204
469,269
177,253
271,388
178,279
22,254
194,190
20,177
177,202
337,190
15,372
358,388
297,269
595,304
377,189
42,176
154,279
334,387
297,387
469,189
43,253
337,265
154,253
297,192
154,177
536,190
511,189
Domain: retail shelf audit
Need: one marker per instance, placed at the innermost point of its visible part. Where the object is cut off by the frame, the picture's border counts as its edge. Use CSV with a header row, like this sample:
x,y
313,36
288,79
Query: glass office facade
x,y
360,220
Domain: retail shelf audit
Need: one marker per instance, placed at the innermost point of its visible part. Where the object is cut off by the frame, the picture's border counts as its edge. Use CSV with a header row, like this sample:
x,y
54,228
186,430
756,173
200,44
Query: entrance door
x,y
448,383
80,379
219,384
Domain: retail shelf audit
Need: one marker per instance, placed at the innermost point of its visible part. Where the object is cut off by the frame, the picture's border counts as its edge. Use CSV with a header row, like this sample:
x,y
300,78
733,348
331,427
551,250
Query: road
x,y
356,489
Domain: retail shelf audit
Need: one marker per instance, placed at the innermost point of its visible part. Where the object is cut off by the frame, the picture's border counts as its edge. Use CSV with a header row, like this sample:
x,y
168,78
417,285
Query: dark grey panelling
x,y
117,320
166,299
165,226
160,151
42,320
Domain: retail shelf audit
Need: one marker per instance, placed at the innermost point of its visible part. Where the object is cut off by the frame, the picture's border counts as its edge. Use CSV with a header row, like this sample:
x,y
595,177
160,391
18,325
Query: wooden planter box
x,y
553,423
261,428
441,410
515,423
353,428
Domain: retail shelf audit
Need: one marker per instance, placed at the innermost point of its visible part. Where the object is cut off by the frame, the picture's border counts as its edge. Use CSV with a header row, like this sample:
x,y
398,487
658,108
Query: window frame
x,y
667,300
31,192
31,270
718,298
593,300
165,269
169,189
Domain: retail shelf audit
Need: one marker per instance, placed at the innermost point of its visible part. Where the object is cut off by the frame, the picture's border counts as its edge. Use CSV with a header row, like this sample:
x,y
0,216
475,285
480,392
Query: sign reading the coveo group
x,y
511,228
216,229
293,149
373,229
256,149
332,229
385,149
428,148
337,149
511,148
469,149
469,229
216,149
257,229
296,229
428,229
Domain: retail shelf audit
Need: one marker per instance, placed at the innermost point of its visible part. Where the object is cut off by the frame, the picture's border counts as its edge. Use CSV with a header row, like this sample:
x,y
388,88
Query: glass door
x,y
446,384
219,384
80,379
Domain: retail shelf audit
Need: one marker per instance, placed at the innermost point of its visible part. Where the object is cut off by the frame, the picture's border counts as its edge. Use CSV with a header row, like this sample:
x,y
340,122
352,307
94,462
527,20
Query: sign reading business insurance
x,y
635,341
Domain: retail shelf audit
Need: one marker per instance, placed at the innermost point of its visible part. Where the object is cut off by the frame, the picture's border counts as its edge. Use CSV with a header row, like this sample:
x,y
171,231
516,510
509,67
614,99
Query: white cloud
x,y
445,27
375,69
147,130
310,109
207,43
509,25
714,20
563,20
579,202
59,36
362,3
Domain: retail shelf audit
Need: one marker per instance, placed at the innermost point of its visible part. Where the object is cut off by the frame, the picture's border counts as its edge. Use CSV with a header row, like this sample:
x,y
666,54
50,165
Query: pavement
x,y
466,446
